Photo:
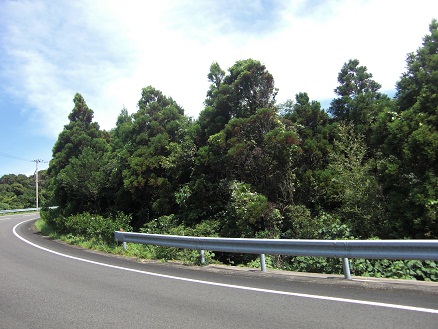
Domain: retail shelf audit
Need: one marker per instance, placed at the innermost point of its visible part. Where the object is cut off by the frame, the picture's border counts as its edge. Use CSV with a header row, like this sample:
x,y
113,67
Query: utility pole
x,y
36,178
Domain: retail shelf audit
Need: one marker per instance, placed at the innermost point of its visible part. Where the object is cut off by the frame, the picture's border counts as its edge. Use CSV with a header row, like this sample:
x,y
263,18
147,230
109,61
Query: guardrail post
x,y
262,262
124,246
202,257
346,268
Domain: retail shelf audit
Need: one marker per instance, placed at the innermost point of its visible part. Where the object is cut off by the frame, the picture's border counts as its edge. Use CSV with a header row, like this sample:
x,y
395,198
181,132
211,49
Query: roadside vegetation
x,y
398,269
364,168
18,191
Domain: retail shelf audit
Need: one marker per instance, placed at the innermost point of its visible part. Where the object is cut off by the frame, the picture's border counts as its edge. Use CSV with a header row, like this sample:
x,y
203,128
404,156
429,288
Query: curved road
x,y
46,284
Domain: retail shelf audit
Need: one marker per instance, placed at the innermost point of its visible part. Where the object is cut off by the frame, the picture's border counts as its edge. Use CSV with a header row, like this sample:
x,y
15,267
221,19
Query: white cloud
x,y
109,50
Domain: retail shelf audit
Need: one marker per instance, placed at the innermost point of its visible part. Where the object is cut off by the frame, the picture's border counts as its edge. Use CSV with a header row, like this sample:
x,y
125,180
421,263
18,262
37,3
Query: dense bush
x,y
395,269
169,225
18,191
88,225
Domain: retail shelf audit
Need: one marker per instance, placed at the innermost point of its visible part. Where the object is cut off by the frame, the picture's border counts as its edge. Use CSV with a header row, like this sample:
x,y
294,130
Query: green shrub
x,y
88,225
54,219
395,269
169,225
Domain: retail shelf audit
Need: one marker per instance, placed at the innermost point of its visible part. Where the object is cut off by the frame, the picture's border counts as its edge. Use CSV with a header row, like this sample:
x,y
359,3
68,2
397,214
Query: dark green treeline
x,y
19,191
250,167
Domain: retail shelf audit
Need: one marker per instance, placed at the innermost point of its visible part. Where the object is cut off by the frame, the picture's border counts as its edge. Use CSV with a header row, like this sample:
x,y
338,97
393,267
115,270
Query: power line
x,y
21,159
14,157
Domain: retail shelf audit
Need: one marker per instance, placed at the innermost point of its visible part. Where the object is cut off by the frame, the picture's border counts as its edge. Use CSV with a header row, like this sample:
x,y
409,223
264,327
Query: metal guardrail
x,y
11,211
369,249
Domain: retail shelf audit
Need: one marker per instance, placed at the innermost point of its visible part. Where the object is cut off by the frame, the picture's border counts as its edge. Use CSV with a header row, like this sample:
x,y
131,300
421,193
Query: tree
x,y
252,88
354,80
261,150
117,162
83,181
356,189
121,134
256,154
360,100
80,134
312,124
237,95
409,143
315,133
81,113
247,87
18,191
250,213
154,146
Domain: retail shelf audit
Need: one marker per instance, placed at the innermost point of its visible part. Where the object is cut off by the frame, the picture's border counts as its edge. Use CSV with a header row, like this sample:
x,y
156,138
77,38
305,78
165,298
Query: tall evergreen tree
x,y
410,143
247,87
359,98
315,132
69,161
153,147
252,88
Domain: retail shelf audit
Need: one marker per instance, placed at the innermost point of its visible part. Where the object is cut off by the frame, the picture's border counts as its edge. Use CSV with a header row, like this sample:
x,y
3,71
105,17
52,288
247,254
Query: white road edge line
x,y
277,292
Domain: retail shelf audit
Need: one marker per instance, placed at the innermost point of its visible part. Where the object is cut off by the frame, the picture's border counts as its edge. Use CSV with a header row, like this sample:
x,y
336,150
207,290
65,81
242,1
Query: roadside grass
x,y
45,229
93,244
133,250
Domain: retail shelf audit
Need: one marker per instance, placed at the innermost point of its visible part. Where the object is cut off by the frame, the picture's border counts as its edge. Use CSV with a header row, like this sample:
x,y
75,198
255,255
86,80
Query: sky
x,y
108,50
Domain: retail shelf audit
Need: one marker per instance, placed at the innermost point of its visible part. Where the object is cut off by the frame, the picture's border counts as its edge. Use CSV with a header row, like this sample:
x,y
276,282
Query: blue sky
x,y
108,50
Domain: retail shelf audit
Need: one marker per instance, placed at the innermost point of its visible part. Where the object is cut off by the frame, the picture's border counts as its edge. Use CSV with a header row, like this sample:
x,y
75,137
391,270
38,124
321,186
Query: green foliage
x,y
76,165
84,180
87,225
357,188
247,88
302,225
358,93
18,191
311,186
313,264
359,99
248,167
322,227
169,225
409,140
156,157
260,150
250,209
252,88
395,269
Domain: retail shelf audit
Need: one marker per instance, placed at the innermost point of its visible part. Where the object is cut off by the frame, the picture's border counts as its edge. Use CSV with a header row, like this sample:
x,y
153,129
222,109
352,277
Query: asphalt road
x,y
47,284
